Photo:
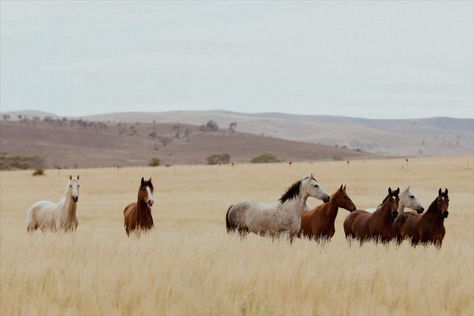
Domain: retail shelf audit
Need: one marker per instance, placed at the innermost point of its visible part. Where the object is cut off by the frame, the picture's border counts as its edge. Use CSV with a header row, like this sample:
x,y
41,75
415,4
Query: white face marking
x,y
150,196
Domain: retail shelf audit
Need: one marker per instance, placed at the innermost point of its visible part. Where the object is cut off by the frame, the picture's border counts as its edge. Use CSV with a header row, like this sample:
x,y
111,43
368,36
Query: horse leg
x,y
243,231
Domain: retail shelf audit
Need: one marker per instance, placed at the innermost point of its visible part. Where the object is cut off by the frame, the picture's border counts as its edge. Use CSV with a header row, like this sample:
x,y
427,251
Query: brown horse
x,y
319,223
137,216
363,225
425,228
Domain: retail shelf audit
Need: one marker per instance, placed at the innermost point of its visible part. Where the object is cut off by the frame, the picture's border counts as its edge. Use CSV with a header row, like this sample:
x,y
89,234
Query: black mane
x,y
292,192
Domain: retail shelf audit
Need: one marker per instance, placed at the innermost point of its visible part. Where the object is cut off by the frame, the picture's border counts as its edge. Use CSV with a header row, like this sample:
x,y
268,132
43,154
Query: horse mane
x,y
384,200
433,206
292,192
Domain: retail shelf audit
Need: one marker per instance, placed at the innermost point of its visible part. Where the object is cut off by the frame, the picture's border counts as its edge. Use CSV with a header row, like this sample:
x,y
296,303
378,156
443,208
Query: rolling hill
x,y
65,143
398,137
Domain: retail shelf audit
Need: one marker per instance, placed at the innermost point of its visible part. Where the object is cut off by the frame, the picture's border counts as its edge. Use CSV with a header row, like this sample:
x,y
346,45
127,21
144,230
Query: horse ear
x,y
341,188
390,190
77,177
344,188
397,191
439,191
70,178
446,191
142,182
149,180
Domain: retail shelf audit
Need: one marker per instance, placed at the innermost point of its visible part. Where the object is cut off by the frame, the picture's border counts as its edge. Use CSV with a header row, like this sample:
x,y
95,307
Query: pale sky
x,y
405,59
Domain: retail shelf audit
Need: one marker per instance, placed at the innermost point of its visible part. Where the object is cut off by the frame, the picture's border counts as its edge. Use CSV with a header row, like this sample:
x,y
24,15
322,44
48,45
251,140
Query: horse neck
x,y
297,203
401,207
384,212
142,207
432,214
69,207
330,208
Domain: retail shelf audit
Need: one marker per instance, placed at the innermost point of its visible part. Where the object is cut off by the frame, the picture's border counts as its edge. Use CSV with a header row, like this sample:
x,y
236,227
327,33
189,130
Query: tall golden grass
x,y
189,265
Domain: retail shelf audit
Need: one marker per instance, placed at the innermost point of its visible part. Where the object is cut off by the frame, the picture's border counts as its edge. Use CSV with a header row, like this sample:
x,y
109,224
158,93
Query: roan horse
x,y
426,228
137,216
363,225
47,215
319,223
282,217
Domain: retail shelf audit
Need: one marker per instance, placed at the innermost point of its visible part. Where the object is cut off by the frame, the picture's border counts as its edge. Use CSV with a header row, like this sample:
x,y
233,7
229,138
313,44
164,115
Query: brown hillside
x,y
78,143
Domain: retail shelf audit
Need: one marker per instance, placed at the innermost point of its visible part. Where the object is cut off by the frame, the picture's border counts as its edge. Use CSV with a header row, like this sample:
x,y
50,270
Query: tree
x,y
212,126
218,159
6,117
265,158
154,162
232,127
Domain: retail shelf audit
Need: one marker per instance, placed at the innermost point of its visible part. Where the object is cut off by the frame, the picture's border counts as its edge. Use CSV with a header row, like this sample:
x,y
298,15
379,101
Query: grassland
x,y
189,265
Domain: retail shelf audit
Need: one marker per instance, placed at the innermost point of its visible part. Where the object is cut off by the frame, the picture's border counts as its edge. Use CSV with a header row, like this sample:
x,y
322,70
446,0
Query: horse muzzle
x,y
75,199
420,210
150,203
445,214
326,199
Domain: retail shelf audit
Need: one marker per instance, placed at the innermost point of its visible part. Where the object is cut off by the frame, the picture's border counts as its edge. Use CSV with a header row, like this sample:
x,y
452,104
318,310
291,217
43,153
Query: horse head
x,y
343,200
145,193
443,202
391,202
73,187
410,200
314,189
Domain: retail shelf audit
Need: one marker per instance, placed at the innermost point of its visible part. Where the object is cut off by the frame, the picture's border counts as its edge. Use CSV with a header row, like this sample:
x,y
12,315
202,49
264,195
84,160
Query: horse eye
x,y
316,186
412,196
70,185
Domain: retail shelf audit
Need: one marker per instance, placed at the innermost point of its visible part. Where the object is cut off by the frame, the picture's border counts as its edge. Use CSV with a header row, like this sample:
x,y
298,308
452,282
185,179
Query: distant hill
x,y
398,137
62,142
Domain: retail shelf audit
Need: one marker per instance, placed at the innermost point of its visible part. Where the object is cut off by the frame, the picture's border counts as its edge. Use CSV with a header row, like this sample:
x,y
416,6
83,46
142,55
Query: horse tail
x,y
347,226
30,219
230,227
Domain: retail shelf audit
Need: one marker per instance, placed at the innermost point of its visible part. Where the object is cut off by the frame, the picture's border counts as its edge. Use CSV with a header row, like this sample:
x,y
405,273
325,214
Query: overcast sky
x,y
365,59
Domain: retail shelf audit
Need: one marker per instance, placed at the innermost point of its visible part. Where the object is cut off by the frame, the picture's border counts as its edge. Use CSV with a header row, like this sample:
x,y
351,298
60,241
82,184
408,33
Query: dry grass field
x,y
189,266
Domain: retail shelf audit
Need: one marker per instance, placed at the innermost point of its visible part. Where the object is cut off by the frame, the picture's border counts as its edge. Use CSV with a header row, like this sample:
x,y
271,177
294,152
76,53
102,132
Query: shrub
x,y
155,161
218,159
38,172
8,162
337,157
265,158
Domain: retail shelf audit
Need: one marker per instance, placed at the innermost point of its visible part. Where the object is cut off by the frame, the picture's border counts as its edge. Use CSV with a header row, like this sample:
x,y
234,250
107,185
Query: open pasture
x,y
189,265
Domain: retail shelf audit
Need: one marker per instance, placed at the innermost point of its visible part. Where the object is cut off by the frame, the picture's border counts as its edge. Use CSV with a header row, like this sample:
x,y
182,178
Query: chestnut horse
x,y
426,228
137,216
319,223
363,225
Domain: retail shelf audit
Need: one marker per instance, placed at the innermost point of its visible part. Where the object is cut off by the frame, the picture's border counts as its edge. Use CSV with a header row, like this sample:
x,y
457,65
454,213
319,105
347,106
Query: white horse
x,y
278,218
47,215
407,199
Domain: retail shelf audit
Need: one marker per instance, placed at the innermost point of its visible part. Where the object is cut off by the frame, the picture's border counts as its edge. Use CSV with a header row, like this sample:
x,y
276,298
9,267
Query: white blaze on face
x,y
150,199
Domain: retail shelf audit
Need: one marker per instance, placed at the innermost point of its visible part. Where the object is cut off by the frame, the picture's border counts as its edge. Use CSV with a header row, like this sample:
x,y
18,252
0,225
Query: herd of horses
x,y
286,217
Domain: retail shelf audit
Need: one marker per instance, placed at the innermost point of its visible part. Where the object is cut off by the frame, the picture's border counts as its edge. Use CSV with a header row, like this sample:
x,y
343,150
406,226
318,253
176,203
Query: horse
x,y
137,215
408,199
281,217
47,215
363,225
319,223
426,228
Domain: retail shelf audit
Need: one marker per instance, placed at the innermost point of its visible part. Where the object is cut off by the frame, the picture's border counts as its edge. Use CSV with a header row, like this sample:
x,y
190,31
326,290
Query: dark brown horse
x,y
363,225
137,216
425,228
319,222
